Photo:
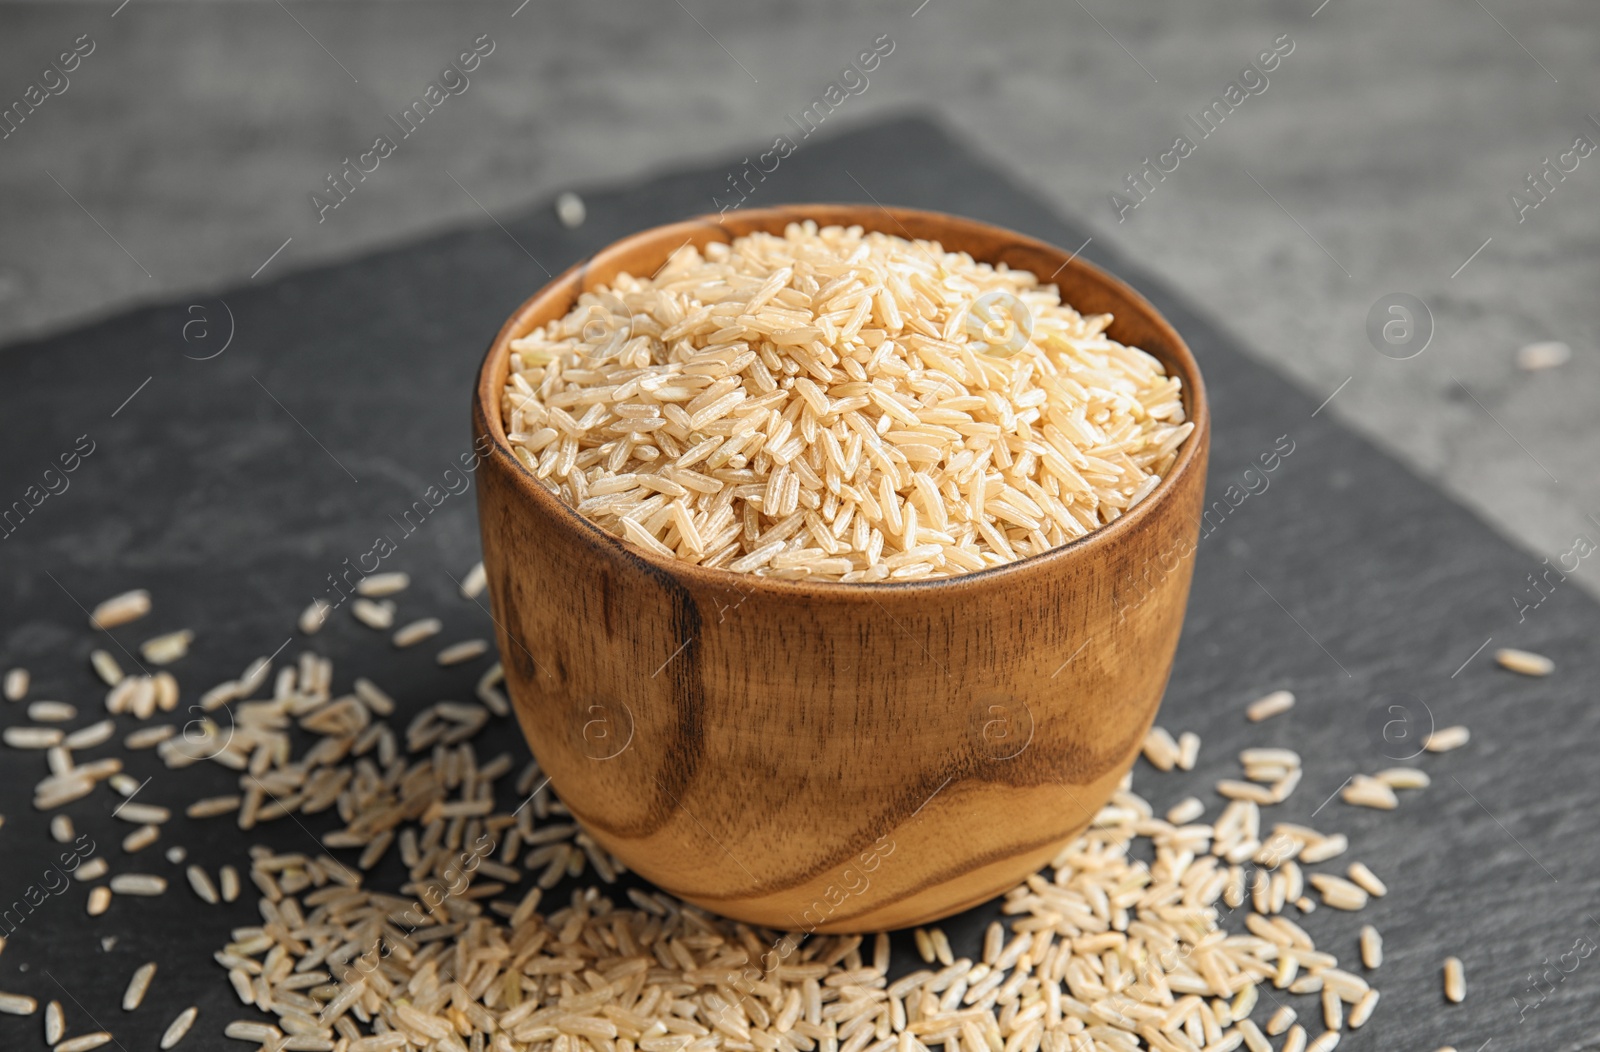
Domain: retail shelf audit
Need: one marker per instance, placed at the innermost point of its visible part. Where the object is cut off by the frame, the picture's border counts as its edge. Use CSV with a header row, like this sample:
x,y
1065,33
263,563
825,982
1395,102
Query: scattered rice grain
x,y
1368,880
377,615
1524,662
1455,981
460,653
381,584
52,711
475,582
179,1027
1279,701
121,609
142,884
417,631
18,1004
1446,739
1371,947
165,649
133,996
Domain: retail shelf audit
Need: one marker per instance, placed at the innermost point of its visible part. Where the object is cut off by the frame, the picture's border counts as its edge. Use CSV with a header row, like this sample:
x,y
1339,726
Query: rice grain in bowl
x,y
840,405
792,745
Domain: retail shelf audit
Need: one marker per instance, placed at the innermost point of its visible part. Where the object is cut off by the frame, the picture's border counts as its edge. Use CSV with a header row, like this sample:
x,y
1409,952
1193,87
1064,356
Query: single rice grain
x,y
1186,811
1276,703
460,653
200,881
381,584
165,649
1455,981
1368,881
179,1027
148,737
212,806
1188,750
1281,1020
1364,791
1371,947
143,813
1524,662
52,712
106,667
121,609
1447,738
374,614
417,631
313,617
18,1004
32,737
138,985
1362,1010
1404,778
97,733
144,884
141,838
473,584
1332,1010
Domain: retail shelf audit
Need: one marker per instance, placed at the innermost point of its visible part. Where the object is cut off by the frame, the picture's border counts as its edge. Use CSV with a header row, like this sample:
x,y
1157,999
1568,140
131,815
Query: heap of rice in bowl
x,y
840,405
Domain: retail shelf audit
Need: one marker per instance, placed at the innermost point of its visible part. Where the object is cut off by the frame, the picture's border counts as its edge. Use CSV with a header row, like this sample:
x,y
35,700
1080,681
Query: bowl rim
x,y
496,366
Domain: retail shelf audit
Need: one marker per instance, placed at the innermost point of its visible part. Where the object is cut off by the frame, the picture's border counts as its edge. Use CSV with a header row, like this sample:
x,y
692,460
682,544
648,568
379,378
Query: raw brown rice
x,y
18,1004
55,1024
1524,662
165,649
121,609
1455,981
381,584
839,405
1447,738
179,1027
1279,701
462,652
376,614
136,883
417,631
138,984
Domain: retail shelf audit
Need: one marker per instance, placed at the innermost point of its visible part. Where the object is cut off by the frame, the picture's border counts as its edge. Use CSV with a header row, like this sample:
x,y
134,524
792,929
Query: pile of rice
x,y
420,897
840,405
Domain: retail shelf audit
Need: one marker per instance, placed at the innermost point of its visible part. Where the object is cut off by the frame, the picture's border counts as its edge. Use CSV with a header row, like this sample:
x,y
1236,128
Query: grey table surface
x,y
1379,158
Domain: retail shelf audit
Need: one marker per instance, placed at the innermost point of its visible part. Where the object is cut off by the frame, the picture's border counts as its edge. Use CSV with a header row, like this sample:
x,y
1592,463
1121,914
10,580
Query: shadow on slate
x,y
233,486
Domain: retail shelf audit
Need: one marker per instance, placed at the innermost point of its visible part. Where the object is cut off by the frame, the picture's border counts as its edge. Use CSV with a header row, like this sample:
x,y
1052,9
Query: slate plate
x,y
236,481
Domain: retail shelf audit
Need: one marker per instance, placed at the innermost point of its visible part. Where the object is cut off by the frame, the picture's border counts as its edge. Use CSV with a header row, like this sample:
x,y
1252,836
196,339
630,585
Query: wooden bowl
x,y
823,756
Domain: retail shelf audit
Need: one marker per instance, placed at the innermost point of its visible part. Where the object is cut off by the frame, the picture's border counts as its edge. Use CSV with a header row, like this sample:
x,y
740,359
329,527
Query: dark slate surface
x,y
232,486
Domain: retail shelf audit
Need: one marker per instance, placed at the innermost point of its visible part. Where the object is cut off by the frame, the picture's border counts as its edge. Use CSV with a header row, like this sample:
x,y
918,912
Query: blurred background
x,y
1392,205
